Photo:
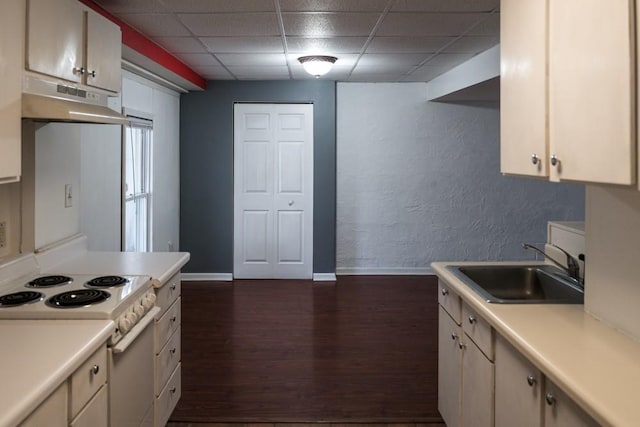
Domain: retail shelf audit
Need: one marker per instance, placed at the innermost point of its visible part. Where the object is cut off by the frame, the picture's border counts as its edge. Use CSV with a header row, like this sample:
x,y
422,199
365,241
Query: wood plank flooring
x,y
359,350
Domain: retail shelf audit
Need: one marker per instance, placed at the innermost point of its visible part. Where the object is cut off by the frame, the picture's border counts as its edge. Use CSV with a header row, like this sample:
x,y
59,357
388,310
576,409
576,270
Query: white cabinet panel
x,y
449,377
561,411
104,53
477,387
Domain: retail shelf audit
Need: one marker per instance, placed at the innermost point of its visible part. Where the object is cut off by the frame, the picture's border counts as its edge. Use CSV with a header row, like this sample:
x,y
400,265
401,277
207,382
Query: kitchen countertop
x,y
39,355
159,265
597,366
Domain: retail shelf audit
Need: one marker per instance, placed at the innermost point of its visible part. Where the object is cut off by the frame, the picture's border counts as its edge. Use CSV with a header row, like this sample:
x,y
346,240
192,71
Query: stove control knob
x,y
149,300
139,310
124,324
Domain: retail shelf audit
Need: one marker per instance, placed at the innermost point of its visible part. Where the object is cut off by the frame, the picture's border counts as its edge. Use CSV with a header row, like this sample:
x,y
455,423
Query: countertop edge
x,y
20,412
585,398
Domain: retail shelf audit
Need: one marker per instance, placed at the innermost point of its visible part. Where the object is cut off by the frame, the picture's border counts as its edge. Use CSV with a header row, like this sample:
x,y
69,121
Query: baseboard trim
x,y
324,277
201,277
375,271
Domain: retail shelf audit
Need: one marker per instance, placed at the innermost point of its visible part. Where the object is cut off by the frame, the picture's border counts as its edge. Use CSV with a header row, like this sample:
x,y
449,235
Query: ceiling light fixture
x,y
317,65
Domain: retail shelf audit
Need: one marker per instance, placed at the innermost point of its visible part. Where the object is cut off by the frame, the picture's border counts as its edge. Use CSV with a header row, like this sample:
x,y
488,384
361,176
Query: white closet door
x,y
273,191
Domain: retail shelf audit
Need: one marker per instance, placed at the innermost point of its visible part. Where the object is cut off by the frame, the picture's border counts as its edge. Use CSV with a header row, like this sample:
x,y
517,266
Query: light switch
x,y
68,196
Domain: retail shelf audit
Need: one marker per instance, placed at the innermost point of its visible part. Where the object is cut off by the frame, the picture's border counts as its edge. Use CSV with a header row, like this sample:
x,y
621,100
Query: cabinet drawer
x,y
478,330
449,300
168,293
167,325
166,402
95,413
87,379
52,412
167,361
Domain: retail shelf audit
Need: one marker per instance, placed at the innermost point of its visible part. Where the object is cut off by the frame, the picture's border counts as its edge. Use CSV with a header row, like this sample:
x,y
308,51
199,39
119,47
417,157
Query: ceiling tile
x,y
375,77
424,73
333,5
218,6
212,72
180,44
490,26
325,46
445,5
392,59
252,59
128,6
243,44
329,24
155,24
260,73
407,44
448,60
197,59
232,24
428,24
472,44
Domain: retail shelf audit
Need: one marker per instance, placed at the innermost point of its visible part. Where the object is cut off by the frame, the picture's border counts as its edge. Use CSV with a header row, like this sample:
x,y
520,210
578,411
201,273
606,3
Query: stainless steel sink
x,y
522,284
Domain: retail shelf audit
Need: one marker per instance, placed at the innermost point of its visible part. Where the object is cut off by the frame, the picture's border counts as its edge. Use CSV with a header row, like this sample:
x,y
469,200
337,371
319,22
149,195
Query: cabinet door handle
x,y
550,398
444,292
472,319
92,73
95,369
531,380
454,336
172,390
173,287
535,159
78,70
173,350
461,345
554,160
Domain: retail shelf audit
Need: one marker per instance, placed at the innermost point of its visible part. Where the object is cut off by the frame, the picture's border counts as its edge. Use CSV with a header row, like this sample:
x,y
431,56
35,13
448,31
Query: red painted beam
x,y
138,42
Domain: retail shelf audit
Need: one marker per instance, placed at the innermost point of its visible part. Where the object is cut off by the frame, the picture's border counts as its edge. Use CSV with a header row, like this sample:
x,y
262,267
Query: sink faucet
x,y
573,267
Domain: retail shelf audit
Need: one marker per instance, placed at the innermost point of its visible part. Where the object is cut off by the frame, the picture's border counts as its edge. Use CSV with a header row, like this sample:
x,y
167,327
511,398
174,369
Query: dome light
x,y
317,65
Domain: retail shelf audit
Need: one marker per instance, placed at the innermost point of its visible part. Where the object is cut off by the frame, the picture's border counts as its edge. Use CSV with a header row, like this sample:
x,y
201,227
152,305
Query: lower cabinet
x,y
465,377
484,381
524,397
80,401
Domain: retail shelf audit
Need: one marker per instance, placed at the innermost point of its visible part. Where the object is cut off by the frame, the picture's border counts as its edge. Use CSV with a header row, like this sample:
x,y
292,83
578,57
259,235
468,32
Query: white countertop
x,y
595,365
38,355
159,265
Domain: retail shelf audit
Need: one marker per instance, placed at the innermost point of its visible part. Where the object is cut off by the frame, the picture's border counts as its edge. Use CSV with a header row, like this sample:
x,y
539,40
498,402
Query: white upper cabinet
x,y
57,39
568,90
523,87
11,60
104,53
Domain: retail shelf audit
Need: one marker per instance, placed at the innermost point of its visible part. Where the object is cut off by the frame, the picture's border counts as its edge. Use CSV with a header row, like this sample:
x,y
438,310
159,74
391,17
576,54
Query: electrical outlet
x,y
3,234
68,196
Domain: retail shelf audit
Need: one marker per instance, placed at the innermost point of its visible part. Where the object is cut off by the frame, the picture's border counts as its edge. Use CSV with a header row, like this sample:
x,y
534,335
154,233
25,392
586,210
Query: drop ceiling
x,y
374,40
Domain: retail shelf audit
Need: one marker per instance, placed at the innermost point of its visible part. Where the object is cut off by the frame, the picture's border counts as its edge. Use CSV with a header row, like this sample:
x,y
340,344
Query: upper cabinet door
x,y
55,38
523,87
104,52
592,91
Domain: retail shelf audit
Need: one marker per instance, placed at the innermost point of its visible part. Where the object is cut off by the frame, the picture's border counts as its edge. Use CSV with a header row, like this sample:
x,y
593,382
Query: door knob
x,y
290,202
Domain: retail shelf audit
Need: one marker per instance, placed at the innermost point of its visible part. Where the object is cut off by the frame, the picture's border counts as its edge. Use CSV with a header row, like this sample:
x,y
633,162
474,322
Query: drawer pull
x,y
454,336
472,319
173,350
95,369
461,345
531,380
550,398
445,292
172,390
173,319
173,287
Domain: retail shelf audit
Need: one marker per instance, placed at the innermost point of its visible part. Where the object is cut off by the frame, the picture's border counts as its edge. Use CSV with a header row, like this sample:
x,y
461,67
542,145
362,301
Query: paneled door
x,y
273,191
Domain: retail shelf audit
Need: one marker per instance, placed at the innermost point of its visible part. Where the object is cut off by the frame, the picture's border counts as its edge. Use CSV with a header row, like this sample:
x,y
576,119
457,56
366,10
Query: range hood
x,y
53,101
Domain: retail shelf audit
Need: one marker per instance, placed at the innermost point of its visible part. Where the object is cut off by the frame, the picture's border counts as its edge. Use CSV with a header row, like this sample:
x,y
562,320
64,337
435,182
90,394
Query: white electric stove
x,y
27,294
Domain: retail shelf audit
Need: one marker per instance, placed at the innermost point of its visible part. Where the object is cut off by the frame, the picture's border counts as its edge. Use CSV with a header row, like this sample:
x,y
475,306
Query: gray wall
x,y
206,168
420,181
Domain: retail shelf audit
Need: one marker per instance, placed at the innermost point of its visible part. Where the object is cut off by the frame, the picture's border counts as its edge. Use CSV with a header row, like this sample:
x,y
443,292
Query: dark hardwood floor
x,y
359,350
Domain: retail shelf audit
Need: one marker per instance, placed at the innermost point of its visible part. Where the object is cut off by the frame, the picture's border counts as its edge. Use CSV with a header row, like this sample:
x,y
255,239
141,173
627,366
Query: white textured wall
x,y
419,182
